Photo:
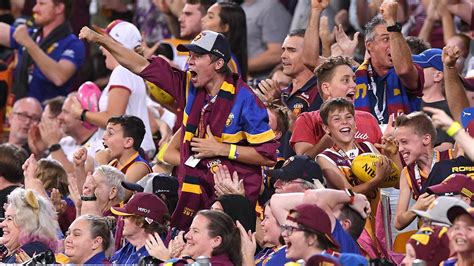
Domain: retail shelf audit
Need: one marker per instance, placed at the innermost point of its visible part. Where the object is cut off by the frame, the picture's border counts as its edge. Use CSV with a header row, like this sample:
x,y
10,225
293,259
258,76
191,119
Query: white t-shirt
x,y
121,78
69,146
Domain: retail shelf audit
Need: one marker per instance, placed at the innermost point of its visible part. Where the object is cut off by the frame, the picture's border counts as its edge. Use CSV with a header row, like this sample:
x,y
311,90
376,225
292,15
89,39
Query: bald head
x,y
28,102
26,112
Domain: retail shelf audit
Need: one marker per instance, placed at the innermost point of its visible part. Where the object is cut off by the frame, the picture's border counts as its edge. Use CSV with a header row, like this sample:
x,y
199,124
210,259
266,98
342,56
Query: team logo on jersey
x,y
297,108
212,165
229,120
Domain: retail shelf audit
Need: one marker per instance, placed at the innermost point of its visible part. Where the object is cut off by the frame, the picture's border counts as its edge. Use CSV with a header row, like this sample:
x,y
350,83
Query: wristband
x,y
83,115
54,147
88,198
395,28
233,152
351,195
453,129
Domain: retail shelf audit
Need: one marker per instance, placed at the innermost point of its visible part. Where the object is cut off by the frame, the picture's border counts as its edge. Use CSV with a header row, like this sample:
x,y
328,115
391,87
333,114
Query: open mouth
x,y
405,155
350,95
193,75
345,130
460,241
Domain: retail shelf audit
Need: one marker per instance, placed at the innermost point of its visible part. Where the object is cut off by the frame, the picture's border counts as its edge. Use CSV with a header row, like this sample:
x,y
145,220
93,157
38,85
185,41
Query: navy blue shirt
x,y
129,255
40,87
32,249
98,258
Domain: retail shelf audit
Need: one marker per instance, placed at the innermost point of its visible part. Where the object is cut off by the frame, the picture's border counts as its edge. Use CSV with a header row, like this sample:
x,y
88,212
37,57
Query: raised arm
x,y
443,121
282,203
455,95
126,57
311,37
432,16
333,200
58,72
401,55
447,19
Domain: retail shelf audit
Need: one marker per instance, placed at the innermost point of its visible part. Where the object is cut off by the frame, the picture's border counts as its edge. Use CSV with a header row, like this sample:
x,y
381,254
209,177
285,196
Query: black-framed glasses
x,y
25,117
289,229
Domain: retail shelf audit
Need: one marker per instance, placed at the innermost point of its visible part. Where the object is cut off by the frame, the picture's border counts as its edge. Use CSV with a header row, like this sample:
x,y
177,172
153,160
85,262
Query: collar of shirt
x,y
286,93
98,258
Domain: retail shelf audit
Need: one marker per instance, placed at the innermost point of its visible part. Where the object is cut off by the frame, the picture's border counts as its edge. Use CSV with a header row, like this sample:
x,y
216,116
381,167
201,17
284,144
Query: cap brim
x,y
192,48
426,215
423,214
132,186
455,211
120,211
440,190
278,174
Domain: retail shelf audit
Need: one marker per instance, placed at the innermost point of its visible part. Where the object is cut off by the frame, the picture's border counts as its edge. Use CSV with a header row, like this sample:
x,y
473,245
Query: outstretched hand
x,y
439,117
345,43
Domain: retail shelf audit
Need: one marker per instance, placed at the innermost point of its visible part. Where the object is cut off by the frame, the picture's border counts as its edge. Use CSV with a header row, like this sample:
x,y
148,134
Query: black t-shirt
x,y
442,169
441,135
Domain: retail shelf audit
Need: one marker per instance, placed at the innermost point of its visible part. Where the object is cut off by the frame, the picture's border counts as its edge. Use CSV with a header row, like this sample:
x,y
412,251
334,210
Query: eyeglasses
x,y
287,182
289,229
25,117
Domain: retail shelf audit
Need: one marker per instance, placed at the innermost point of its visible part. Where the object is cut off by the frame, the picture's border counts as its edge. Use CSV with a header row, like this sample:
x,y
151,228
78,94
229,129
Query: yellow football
x,y
365,165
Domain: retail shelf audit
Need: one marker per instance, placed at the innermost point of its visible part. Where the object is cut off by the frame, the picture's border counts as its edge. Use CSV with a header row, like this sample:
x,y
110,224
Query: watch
x,y
88,198
395,28
83,115
351,195
54,147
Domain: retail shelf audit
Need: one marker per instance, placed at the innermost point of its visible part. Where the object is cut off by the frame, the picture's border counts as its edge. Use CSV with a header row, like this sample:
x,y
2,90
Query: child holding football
x,y
339,123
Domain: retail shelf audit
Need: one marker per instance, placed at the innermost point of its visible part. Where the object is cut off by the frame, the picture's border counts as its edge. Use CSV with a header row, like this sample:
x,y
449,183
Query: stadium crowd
x,y
237,132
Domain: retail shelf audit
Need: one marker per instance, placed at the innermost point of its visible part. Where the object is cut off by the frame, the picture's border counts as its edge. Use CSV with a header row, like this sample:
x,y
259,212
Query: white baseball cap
x,y
125,33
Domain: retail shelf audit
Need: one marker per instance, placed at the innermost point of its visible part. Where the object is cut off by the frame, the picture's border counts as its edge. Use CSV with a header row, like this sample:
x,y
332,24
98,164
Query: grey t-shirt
x,y
267,22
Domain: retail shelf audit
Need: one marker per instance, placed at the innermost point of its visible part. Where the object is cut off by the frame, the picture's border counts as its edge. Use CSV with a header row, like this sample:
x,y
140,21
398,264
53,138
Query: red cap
x,y
145,205
453,185
322,260
305,215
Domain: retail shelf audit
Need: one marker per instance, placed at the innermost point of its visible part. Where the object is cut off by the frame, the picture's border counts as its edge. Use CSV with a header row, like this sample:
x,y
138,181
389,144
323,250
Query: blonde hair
x,y
35,216
52,175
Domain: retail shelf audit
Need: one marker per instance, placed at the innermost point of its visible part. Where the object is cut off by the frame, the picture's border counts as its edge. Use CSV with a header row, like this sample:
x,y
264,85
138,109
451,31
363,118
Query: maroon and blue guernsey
x,y
235,116
386,95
